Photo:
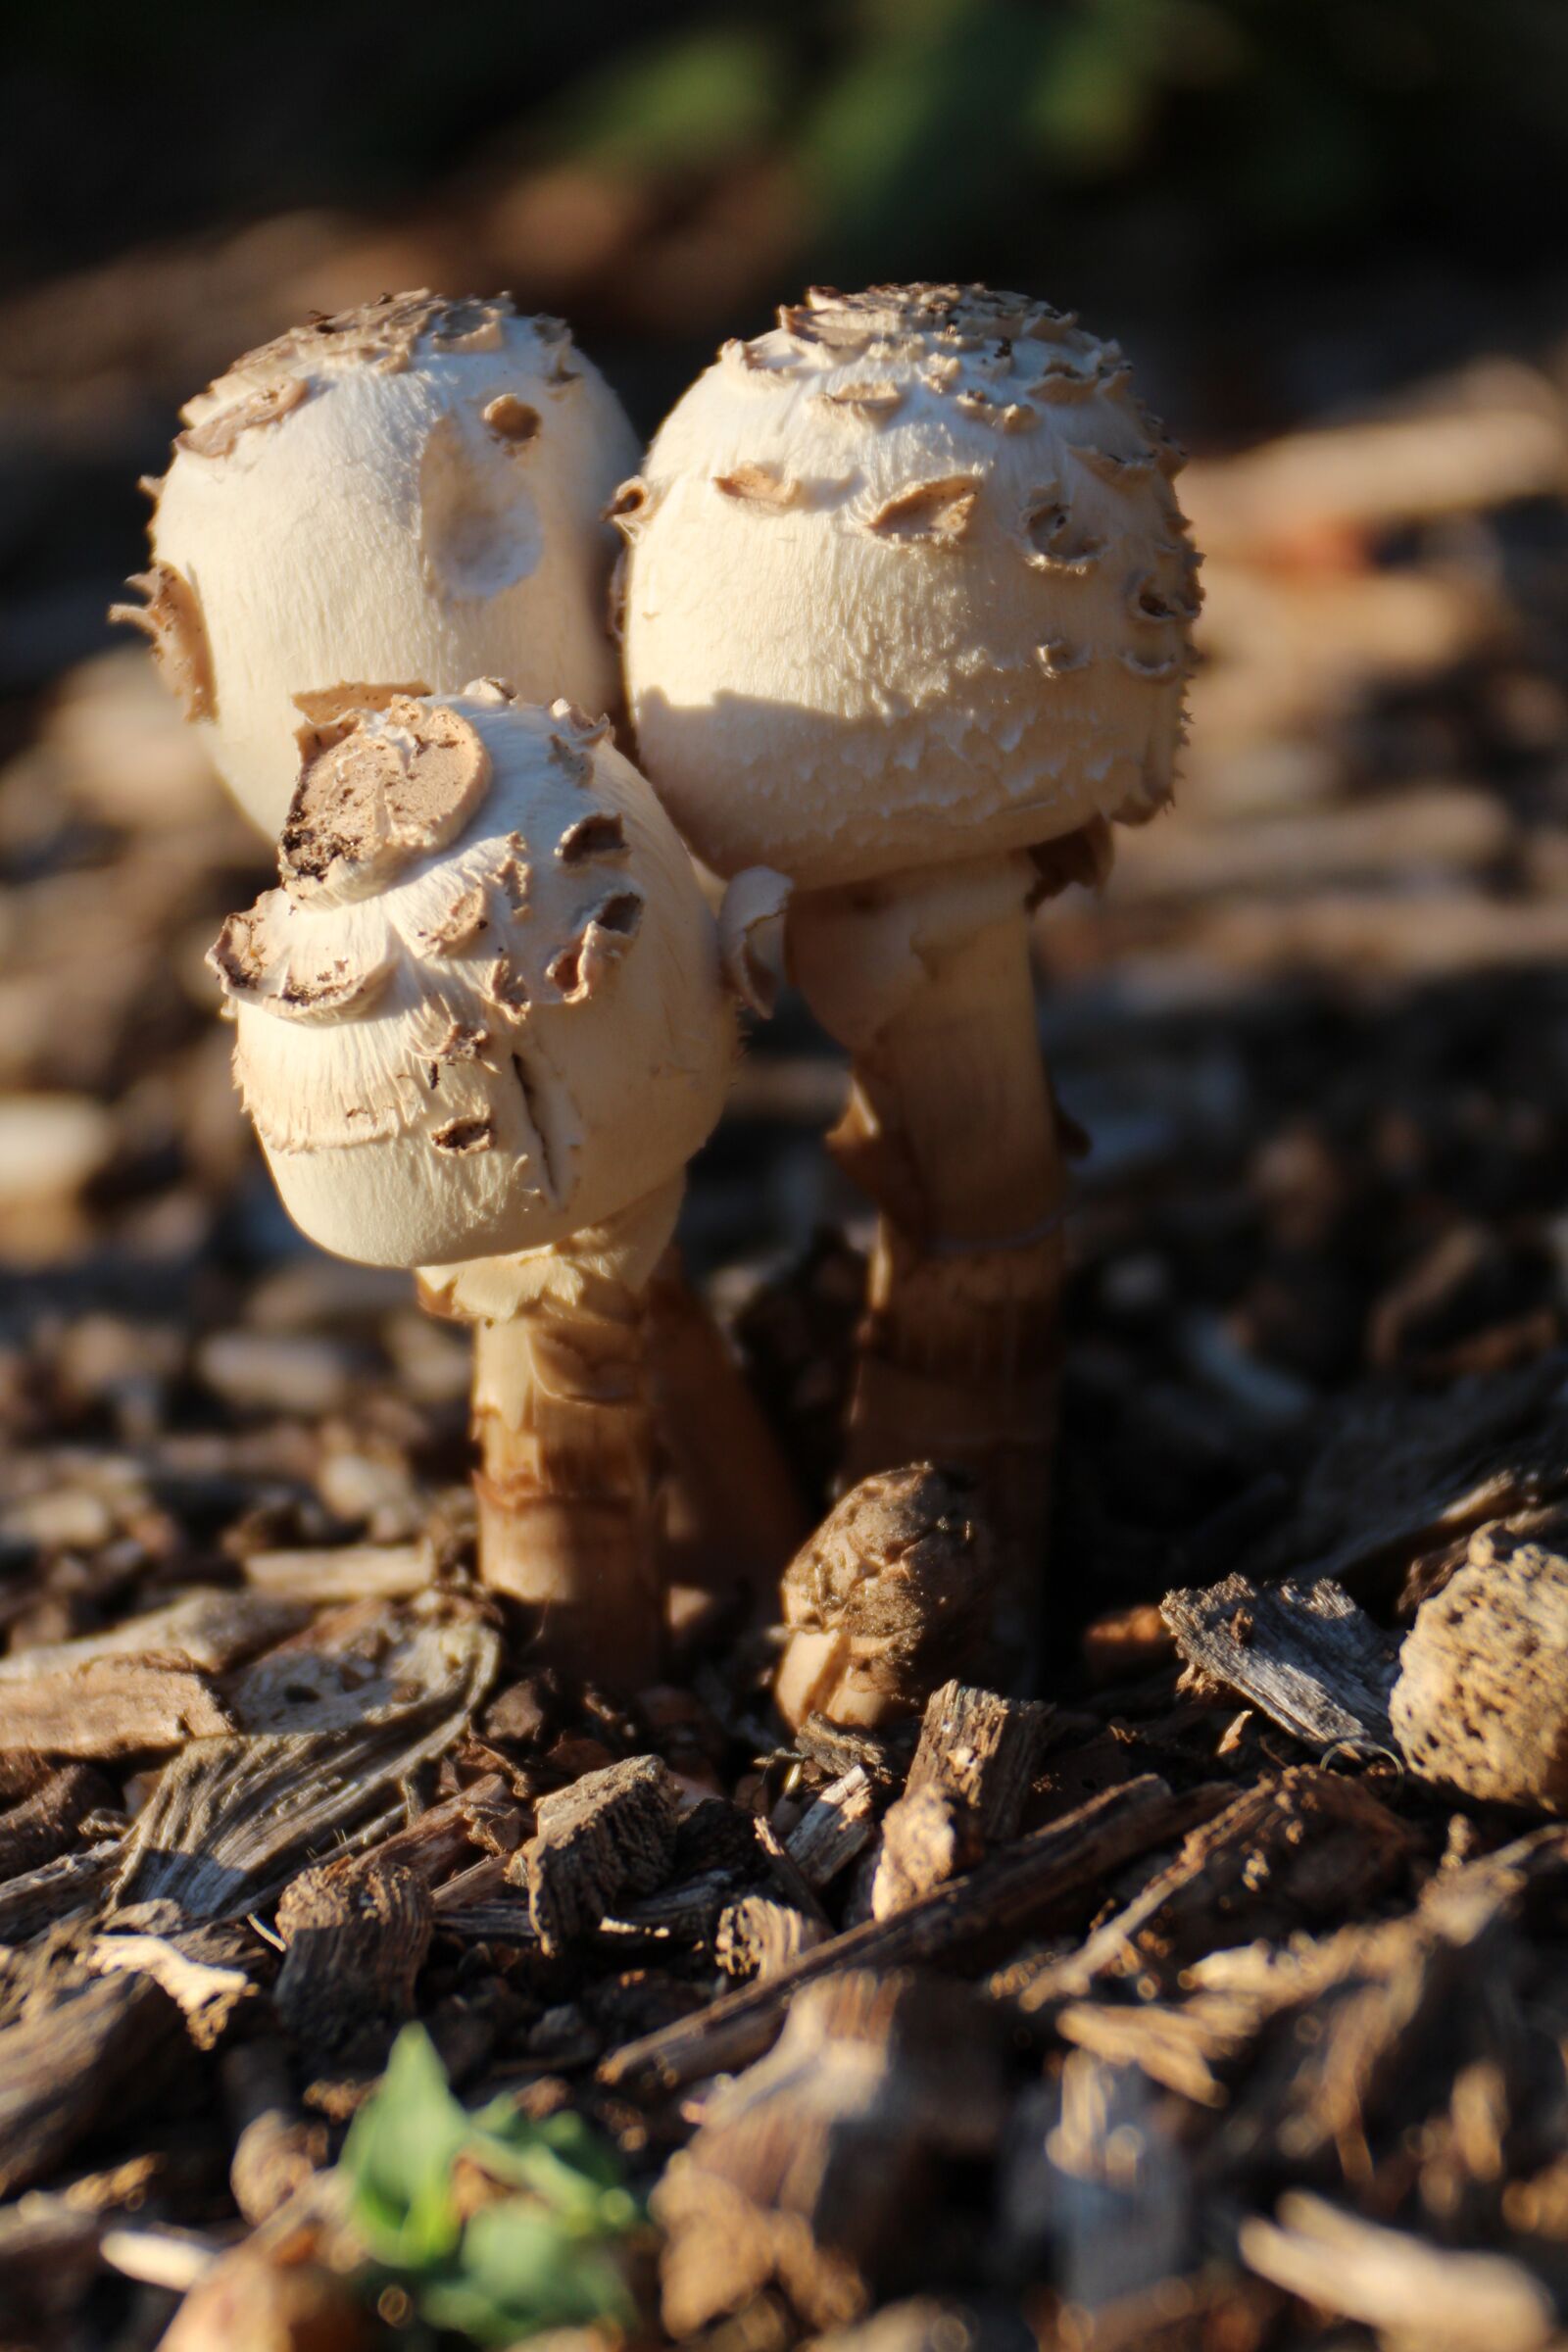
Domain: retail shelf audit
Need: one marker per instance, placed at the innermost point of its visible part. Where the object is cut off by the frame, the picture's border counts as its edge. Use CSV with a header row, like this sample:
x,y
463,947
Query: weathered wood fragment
x,y
65,1888
1041,1872
980,1748
356,1939
1482,1700
209,1973
837,1825
611,1834
1402,1472
483,1818
480,1906
43,1809
814,2166
343,1571
759,1936
111,1707
232,1820
1396,2283
1304,1654
210,1629
965,1791
103,2050
684,1915
1281,1856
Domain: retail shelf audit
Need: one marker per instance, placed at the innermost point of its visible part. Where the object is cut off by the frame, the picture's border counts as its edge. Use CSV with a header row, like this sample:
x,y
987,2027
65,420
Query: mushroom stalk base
x,y
951,1130
562,1419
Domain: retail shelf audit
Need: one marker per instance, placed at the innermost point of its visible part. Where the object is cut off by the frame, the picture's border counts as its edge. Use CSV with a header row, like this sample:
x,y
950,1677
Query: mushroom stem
x,y
732,1516
564,1424
952,1131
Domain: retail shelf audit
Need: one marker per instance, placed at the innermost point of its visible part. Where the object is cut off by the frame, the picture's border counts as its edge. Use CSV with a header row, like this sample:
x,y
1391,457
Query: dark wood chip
x,y
611,1834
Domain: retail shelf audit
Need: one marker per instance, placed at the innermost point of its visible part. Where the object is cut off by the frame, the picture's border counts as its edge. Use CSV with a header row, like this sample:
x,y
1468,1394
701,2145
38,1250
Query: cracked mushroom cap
x,y
400,497
908,580
485,1010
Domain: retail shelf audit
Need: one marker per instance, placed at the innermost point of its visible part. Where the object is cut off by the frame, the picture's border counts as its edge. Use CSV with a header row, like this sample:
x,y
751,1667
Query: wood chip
x,y
1389,2281
105,2050
1306,1654
356,1939
758,1936
211,1631
965,1791
43,1823
112,1707
816,2164
345,1572
1042,1870
837,1825
232,1820
611,1834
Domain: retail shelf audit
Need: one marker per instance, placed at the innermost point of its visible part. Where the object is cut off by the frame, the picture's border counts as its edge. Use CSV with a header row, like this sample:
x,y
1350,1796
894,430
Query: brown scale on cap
x,y
582,967
763,485
458,926
171,618
328,990
216,435
512,420
368,800
382,333
929,513
602,834
321,706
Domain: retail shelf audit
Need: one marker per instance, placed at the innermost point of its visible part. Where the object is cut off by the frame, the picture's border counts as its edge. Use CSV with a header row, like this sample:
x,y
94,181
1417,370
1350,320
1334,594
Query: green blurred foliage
x,y
912,124
544,2245
914,135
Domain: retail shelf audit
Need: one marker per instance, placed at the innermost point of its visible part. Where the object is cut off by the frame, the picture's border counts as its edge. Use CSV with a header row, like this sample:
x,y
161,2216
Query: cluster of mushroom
x,y
905,599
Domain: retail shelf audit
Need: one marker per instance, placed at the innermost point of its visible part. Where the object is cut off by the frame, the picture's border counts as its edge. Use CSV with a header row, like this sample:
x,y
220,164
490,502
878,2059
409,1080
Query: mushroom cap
x,y
485,1010
908,580
403,497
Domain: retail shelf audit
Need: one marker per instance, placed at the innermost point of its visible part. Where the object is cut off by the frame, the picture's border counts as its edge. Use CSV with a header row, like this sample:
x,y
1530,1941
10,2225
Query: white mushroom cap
x,y
908,580
486,1010
401,497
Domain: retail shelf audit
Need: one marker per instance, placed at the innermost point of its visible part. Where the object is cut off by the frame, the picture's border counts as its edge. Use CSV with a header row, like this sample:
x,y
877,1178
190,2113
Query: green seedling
x,y
492,2225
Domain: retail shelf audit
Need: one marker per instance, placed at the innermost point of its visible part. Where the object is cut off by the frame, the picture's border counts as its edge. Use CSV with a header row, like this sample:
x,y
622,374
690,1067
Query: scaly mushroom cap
x,y
908,580
485,1009
401,497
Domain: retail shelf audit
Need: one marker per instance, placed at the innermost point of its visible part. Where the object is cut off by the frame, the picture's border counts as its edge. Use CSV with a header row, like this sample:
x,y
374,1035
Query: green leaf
x,y
537,2273
546,2258
398,2155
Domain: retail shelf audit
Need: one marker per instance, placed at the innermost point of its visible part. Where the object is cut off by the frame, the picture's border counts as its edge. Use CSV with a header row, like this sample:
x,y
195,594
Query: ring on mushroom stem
x,y
392,501
481,1028
969,591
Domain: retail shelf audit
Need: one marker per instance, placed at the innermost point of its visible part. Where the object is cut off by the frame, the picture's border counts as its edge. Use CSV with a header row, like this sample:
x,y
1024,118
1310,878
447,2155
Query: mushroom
x,y
391,501
908,619
481,1027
